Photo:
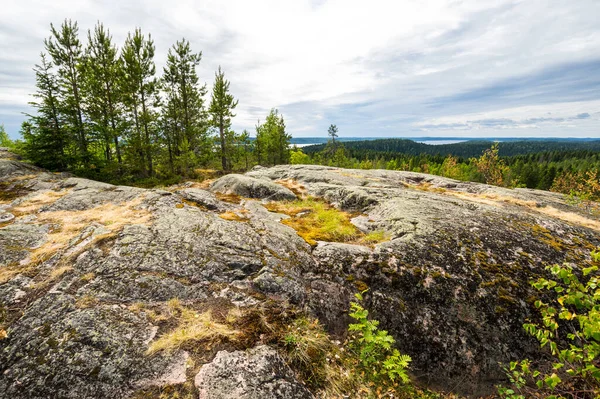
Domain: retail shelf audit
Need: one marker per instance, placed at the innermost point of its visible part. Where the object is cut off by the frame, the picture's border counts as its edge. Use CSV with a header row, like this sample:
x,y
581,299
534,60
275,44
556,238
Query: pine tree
x,y
103,69
65,49
272,141
141,96
5,141
47,141
245,145
185,115
221,106
332,133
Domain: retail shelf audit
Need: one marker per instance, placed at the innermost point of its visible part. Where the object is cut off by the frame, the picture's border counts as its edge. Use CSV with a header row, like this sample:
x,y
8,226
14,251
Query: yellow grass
x,y
374,237
293,186
59,271
233,216
33,204
315,220
497,200
231,198
70,224
86,301
193,327
570,217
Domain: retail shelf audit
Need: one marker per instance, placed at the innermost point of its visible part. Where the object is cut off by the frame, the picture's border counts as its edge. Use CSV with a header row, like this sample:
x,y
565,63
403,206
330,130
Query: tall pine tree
x,y
141,96
47,141
221,110
103,70
65,49
184,114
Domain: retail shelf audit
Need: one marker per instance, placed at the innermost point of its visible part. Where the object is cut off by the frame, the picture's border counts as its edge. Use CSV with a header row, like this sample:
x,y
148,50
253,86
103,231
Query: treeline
x,y
390,148
104,112
561,171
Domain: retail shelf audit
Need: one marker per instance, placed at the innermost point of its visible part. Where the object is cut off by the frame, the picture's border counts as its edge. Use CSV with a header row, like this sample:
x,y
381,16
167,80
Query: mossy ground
x,y
316,220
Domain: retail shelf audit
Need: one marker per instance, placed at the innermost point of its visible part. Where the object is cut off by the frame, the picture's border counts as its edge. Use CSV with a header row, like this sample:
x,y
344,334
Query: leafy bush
x,y
574,371
378,361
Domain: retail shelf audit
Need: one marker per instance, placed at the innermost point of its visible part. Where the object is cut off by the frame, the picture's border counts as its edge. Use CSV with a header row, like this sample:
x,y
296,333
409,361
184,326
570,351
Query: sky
x,y
400,68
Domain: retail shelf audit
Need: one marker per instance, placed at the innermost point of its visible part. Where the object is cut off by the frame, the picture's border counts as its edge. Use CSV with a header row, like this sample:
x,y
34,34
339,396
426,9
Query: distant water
x,y
441,142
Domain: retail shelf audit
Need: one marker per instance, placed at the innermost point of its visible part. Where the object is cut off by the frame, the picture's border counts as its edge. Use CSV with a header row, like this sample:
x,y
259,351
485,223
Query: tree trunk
x,y
223,157
147,145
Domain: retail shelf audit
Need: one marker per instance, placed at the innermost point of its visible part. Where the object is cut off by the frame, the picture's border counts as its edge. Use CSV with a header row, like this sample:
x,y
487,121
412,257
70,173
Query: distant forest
x,y
106,113
388,148
569,167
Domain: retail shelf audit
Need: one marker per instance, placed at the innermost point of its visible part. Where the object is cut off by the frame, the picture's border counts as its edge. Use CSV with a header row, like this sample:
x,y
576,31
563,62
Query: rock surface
x,y
250,187
257,373
84,266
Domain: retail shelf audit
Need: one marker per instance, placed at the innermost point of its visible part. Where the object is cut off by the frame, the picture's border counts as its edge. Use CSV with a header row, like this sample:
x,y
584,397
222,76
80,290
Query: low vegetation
x,y
316,220
366,365
193,327
67,225
565,167
570,330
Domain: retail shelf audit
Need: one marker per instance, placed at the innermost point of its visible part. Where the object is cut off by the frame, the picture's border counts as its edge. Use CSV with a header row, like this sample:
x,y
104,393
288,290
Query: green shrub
x,y
378,361
574,371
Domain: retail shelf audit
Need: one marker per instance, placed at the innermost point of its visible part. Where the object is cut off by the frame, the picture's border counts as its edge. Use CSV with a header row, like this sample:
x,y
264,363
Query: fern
x,y
380,362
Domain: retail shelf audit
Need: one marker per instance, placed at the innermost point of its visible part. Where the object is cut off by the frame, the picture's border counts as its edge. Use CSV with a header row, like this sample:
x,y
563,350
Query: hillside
x,y
467,149
102,286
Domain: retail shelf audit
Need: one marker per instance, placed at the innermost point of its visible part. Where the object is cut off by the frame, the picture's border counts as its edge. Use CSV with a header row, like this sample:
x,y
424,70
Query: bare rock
x,y
250,187
257,373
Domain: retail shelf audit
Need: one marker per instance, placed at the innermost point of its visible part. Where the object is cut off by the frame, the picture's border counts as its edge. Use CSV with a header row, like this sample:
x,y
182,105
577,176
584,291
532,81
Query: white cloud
x,y
374,68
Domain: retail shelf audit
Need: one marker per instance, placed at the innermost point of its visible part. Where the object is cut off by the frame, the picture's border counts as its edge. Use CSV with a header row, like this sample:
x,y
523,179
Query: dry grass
x,y
192,327
498,200
68,225
293,186
33,204
86,302
231,198
59,271
112,217
570,217
234,216
425,186
317,359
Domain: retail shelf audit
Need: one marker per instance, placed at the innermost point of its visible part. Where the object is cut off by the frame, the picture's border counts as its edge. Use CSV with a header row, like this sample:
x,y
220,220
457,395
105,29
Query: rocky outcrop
x,y
88,270
257,373
250,187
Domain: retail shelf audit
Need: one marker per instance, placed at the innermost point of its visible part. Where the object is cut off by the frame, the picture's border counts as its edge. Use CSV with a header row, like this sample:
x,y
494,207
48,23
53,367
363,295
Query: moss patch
x,y
316,220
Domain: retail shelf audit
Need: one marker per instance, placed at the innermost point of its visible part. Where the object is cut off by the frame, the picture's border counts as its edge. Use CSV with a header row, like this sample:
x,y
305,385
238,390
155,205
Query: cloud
x,y
379,68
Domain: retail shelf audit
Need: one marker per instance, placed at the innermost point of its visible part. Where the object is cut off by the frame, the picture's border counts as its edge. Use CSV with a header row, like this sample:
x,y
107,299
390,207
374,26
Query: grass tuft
x,y
192,327
231,198
233,216
315,220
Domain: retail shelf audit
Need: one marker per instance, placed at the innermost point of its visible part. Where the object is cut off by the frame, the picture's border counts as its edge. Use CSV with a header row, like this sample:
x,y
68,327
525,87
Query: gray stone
x,y
250,187
257,373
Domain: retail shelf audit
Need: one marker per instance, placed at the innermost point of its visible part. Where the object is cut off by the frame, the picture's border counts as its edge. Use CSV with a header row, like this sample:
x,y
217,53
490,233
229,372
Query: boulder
x,y
256,373
250,187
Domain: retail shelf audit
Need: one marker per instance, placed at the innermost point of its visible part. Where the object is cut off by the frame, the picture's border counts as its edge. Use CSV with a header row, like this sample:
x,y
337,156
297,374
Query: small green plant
x,y
574,371
378,360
